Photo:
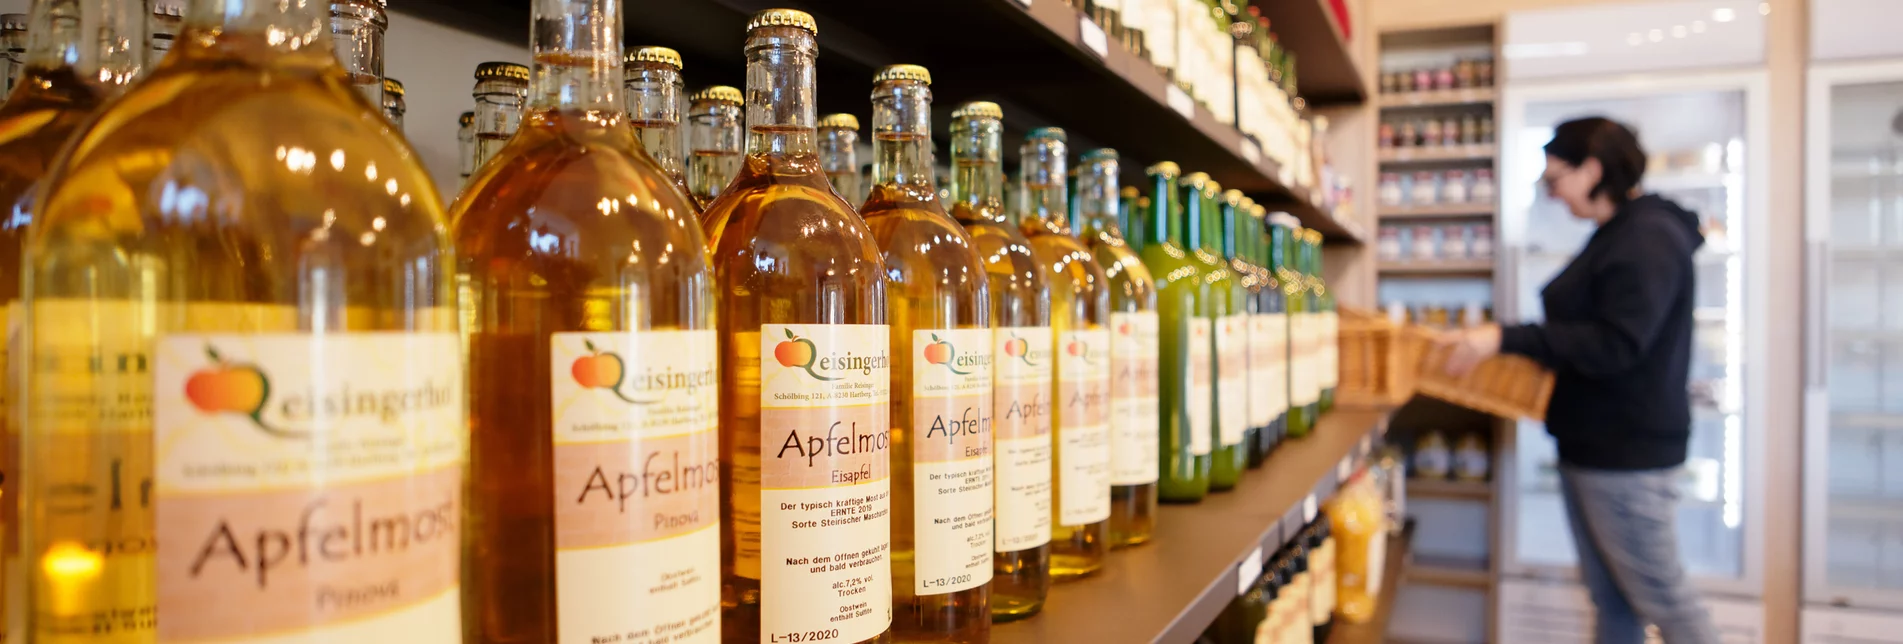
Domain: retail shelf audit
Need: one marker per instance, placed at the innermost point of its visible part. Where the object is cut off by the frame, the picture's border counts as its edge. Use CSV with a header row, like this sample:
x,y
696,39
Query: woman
x,y
1618,335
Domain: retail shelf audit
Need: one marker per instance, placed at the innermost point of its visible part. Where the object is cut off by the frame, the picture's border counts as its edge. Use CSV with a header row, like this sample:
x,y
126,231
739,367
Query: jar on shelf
x,y
1425,246
1464,73
1386,134
1432,458
1454,189
1409,135
1469,129
1390,244
1426,189
1486,130
1483,71
1450,132
1444,78
1481,246
1483,189
1423,79
1453,244
1390,190
1430,132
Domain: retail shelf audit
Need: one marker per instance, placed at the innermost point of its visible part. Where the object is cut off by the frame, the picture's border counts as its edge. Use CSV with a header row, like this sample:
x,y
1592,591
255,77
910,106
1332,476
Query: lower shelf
x,y
1376,629
1450,571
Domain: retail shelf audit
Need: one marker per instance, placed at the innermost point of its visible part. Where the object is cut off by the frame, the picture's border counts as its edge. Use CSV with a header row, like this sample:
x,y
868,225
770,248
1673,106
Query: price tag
x,y
1093,37
1308,509
1180,101
1343,468
1250,571
1251,151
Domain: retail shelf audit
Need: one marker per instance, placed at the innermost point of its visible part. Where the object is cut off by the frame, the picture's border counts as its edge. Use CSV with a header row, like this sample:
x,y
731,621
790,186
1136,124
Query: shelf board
x,y
1439,98
1323,63
1446,489
1172,588
1452,268
1450,571
1438,211
1375,630
1437,154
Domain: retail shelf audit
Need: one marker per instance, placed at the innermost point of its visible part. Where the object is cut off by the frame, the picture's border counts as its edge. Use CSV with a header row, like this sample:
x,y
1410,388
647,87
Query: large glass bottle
x,y
500,92
1202,223
242,321
1080,316
839,155
1268,335
1133,352
1021,369
357,28
654,89
1232,210
713,141
1328,325
939,308
594,455
1186,376
1304,390
805,431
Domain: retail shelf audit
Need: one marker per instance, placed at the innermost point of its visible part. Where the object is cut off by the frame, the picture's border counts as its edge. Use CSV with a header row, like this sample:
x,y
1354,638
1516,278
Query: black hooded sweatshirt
x,y
1618,336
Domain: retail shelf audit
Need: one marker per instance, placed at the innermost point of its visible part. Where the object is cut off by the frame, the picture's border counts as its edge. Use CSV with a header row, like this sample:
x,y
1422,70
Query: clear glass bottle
x,y
585,272
466,143
13,36
839,155
242,314
1186,376
805,431
1327,367
713,142
1304,387
1268,336
1134,411
500,92
654,87
939,308
1080,317
1202,223
393,106
167,17
1022,367
357,28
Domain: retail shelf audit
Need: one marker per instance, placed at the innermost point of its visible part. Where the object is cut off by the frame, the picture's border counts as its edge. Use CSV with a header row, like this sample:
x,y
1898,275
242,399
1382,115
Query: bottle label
x,y
1300,605
311,483
1202,387
1268,362
951,459
1304,385
1021,424
1133,398
1330,356
1321,568
824,528
637,486
1232,379
1083,432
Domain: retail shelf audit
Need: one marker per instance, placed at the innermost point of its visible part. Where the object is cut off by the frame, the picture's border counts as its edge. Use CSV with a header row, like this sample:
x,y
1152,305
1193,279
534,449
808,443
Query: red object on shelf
x,y
1340,9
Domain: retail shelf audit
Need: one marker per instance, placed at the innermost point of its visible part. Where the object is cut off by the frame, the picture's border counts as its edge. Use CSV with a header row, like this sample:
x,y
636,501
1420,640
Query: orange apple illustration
x,y
1125,329
601,370
1080,349
1016,347
232,387
941,352
797,353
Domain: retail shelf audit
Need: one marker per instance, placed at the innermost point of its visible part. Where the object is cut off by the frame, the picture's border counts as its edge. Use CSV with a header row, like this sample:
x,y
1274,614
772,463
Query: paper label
x,y
1321,568
951,459
1268,367
1083,431
824,476
312,485
637,486
1328,369
1304,382
1092,36
1232,379
1021,427
1133,398
1202,387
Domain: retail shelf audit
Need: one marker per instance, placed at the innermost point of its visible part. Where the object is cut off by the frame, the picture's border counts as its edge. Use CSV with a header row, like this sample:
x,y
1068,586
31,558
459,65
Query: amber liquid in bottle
x,y
801,313
1021,429
939,309
591,357
654,90
713,142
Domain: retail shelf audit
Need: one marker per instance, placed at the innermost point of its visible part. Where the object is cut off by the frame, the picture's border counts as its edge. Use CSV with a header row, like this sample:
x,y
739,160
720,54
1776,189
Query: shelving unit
x,y
1445,489
1436,154
1440,211
1448,571
1450,268
1440,98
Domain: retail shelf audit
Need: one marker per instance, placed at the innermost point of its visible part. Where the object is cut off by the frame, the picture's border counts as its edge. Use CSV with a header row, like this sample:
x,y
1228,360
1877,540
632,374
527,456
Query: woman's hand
x,y
1468,347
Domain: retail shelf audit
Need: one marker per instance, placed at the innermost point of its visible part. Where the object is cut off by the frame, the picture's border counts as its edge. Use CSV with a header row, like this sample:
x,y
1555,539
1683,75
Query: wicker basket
x,y
1379,360
1505,386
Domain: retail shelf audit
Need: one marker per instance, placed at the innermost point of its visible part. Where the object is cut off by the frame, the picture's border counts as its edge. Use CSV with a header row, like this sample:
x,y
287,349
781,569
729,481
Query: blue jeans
x,y
1628,555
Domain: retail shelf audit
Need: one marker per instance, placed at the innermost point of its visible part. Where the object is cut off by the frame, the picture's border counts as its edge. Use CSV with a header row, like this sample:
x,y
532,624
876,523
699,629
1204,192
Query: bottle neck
x,y
902,134
53,35
1041,171
1097,200
780,106
1227,228
838,150
714,127
57,39
577,58
498,116
978,169
276,26
1197,220
654,109
1164,225
357,28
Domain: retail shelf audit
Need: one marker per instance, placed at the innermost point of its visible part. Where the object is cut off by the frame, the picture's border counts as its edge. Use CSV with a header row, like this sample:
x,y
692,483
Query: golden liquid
x,y
1020,297
785,251
652,134
708,173
539,256
934,281
1132,507
226,192
1080,300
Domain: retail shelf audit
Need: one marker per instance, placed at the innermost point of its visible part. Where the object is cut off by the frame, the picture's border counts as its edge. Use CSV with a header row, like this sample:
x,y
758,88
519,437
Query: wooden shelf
x,y
1462,268
1323,62
1438,211
1172,588
1439,98
1375,631
1450,571
1437,154
1445,489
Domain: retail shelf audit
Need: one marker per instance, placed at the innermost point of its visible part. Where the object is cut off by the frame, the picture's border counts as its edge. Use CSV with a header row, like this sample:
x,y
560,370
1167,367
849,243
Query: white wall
x,y
437,66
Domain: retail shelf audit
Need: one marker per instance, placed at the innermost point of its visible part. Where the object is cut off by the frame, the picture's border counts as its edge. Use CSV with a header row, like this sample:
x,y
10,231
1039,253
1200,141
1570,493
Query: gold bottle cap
x,y
783,18
1099,154
1166,168
177,9
1233,197
1049,133
467,119
903,73
12,22
502,71
979,110
1212,188
393,86
657,55
1257,211
1128,192
1197,180
840,121
721,93
1311,235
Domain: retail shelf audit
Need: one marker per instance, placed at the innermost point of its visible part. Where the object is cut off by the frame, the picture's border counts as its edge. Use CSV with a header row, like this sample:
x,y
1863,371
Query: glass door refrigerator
x,y
1688,78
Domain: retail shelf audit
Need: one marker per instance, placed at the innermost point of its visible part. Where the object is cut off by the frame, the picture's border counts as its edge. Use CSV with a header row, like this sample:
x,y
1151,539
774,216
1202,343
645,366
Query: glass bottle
x,y
1133,352
13,38
714,142
1201,221
1321,573
1021,369
466,143
357,28
501,89
804,423
393,106
1080,315
1129,218
940,313
1231,211
1304,391
1186,376
839,155
654,86
1327,366
584,271
167,17
1268,336
245,275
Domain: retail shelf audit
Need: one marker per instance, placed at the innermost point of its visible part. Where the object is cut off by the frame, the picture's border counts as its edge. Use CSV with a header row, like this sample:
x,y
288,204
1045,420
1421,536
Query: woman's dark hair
x,y
1614,145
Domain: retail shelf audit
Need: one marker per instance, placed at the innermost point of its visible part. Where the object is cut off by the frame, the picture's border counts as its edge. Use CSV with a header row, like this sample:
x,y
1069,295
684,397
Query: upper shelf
x,y
1439,98
1324,67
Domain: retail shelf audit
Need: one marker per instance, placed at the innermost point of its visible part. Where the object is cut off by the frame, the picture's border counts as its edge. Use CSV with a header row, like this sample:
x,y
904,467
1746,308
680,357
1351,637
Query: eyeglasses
x,y
1550,176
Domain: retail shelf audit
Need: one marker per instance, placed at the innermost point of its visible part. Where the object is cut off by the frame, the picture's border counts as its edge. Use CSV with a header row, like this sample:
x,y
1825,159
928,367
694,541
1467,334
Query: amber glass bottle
x,y
501,91
1080,314
939,308
1134,411
713,141
1186,374
1201,220
839,155
242,321
654,92
1021,368
357,28
805,431
584,267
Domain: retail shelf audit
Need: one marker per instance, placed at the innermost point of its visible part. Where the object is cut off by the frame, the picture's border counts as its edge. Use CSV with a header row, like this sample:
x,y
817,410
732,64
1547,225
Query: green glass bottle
x,y
1129,218
1230,358
1328,324
1184,376
1268,335
1304,392
1233,211
1133,352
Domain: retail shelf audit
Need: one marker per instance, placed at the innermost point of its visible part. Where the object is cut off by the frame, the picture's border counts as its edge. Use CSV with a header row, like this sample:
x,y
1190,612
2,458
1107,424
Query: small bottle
x,y
466,143
393,106
357,28
1359,522
1022,365
839,155
1186,377
1268,336
500,92
803,341
940,308
1431,456
167,17
1229,360
1080,313
13,39
654,91
1471,462
713,142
